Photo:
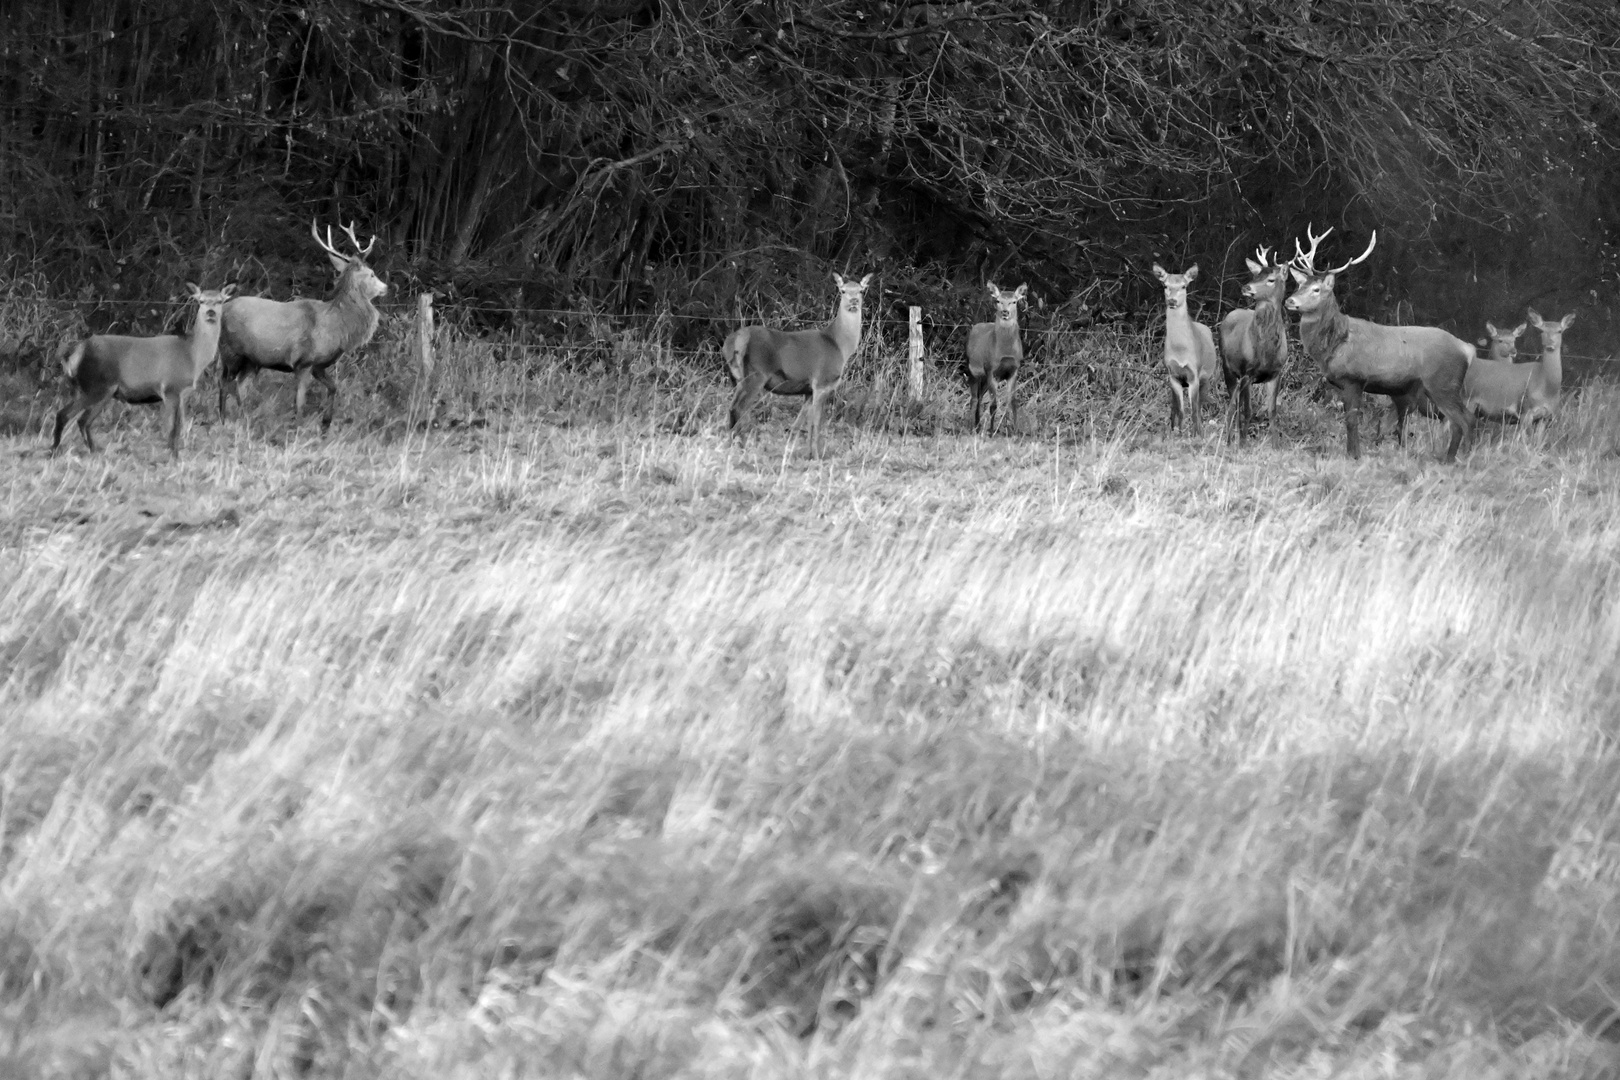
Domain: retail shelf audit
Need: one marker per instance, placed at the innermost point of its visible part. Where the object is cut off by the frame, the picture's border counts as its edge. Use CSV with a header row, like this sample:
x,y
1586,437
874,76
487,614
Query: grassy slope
x,y
567,739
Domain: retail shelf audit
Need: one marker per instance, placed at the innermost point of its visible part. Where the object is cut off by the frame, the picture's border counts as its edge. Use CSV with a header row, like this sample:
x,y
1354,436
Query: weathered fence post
x,y
420,394
914,349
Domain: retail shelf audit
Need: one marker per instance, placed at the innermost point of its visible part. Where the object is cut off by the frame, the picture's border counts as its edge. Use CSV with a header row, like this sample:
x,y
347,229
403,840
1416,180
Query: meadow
x,y
560,737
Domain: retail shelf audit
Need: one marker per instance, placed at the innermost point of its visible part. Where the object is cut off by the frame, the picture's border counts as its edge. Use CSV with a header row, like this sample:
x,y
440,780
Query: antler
x,y
1262,253
1359,258
1306,260
326,245
364,251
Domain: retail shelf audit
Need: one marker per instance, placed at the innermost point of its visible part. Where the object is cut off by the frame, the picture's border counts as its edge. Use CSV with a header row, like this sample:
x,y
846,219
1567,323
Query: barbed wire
x,y
649,316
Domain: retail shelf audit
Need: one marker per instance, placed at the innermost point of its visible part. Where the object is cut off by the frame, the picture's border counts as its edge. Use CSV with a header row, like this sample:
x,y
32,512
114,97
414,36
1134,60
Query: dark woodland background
x,y
720,157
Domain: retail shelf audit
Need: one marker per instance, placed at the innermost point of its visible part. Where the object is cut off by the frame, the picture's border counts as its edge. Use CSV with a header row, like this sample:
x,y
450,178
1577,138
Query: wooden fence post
x,y
424,355
914,349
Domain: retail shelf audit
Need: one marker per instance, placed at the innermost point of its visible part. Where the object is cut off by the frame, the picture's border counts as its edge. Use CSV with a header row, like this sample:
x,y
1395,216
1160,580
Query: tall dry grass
x,y
563,738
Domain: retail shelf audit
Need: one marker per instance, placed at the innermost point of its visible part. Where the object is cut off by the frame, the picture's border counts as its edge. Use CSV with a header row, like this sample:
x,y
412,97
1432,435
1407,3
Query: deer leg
x,y
179,423
1244,412
1012,398
324,377
73,408
742,401
1271,409
1461,427
1195,400
1175,404
1350,393
227,384
300,392
817,445
87,417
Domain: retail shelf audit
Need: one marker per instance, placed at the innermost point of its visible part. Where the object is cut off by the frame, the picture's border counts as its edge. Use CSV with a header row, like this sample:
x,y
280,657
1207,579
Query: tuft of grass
x,y
524,725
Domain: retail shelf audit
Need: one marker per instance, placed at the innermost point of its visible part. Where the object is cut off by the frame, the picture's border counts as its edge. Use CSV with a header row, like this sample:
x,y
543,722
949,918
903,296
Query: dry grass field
x,y
565,739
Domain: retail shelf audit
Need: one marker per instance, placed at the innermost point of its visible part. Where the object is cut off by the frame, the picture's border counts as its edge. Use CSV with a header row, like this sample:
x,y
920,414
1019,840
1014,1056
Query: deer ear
x,y
1158,272
1518,331
1567,320
1254,268
1535,320
1328,280
1297,274
864,280
339,263
1023,290
1191,273
995,292
1490,328
229,290
191,289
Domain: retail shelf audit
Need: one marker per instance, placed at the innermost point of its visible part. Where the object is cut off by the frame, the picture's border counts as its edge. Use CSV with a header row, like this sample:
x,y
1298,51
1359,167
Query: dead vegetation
x,y
561,737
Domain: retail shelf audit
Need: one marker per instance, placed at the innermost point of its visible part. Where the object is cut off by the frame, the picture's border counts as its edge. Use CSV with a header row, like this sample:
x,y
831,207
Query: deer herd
x,y
1420,368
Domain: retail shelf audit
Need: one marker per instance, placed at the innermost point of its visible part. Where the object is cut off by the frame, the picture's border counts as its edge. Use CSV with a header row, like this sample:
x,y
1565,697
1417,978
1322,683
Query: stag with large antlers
x,y
1254,344
1189,351
305,337
1357,356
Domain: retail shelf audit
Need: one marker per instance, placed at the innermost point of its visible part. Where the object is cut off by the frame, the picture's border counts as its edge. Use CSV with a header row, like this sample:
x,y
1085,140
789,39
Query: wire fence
x,y
611,325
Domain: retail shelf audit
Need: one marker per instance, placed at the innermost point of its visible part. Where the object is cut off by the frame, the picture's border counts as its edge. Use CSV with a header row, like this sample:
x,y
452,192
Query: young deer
x,y
305,337
1254,344
1503,345
142,370
1528,393
1416,366
1189,351
797,362
994,353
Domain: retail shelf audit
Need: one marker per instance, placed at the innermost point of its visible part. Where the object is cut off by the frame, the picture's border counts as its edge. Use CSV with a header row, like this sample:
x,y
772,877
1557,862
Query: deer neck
x,y
1552,367
357,315
1004,336
203,344
1324,329
1268,320
1178,325
845,329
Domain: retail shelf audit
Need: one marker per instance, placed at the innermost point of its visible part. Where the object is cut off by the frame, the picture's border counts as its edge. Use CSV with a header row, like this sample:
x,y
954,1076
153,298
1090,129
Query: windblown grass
x,y
564,738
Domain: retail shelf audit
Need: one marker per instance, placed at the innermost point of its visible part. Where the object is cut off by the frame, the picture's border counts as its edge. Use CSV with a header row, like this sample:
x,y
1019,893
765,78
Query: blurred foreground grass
x,y
565,739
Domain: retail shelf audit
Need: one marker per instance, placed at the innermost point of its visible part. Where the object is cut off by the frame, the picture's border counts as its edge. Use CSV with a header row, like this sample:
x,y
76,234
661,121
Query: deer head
x,y
1175,285
1315,286
363,278
1552,333
1007,302
1503,344
849,293
1266,278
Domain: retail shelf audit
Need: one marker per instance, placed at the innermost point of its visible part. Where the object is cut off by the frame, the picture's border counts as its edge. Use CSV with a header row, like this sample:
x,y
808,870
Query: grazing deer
x,y
994,353
305,337
1254,343
142,370
1189,351
1416,366
795,362
1527,393
1503,345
